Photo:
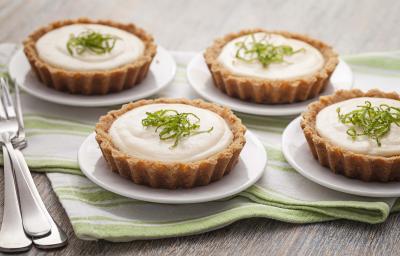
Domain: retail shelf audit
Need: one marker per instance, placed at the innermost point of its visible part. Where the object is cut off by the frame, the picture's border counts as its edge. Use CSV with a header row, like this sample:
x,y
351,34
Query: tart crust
x,y
91,82
172,175
270,91
340,161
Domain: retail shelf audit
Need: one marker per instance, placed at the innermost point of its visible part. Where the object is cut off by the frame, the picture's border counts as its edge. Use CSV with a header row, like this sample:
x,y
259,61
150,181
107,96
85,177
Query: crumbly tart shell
x,y
267,91
91,82
171,175
340,161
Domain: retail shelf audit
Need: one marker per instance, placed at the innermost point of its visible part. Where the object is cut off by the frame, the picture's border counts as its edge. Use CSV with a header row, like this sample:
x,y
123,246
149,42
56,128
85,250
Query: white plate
x,y
200,78
161,73
298,154
248,170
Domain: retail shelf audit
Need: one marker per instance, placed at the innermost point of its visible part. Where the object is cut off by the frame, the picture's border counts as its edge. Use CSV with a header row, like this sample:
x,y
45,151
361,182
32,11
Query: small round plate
x,y
247,171
298,154
200,78
161,73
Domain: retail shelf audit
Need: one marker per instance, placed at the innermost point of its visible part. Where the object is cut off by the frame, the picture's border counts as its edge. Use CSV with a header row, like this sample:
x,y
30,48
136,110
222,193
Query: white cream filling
x,y
52,48
302,63
131,137
329,127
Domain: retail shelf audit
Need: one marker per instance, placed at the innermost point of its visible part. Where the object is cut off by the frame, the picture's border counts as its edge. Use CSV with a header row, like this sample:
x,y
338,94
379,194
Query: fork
x,y
57,237
33,219
12,235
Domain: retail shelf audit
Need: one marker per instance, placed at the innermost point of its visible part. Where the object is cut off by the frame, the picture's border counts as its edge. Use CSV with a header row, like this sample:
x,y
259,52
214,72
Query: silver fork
x,y
12,235
33,219
57,237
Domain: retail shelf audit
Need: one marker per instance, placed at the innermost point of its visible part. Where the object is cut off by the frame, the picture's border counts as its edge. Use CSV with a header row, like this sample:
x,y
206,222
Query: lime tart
x,y
171,143
356,134
271,67
86,56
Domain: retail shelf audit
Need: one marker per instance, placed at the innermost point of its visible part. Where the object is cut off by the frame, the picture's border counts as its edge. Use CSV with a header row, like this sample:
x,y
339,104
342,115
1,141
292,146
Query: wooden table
x,y
350,26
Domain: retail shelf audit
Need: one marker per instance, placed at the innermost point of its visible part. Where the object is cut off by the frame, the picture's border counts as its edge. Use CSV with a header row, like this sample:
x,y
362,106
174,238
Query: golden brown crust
x,y
265,90
91,82
171,175
341,161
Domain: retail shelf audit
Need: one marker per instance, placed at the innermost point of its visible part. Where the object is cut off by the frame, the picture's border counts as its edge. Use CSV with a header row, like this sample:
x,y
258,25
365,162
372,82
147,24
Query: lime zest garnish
x,y
91,41
371,121
263,51
173,125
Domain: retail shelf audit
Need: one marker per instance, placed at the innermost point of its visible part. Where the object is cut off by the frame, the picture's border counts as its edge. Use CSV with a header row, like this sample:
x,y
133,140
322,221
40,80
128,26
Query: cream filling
x,y
302,63
131,137
52,48
329,127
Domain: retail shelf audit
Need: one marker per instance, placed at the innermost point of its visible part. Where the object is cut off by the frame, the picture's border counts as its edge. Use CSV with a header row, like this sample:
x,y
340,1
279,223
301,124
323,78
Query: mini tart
x,y
270,91
340,161
91,82
171,175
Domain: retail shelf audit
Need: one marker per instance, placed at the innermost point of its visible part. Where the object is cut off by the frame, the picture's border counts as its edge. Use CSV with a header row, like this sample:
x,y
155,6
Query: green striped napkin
x,y
55,133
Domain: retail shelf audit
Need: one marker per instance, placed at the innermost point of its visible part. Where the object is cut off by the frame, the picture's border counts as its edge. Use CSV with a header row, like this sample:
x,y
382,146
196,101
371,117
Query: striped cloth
x,y
55,133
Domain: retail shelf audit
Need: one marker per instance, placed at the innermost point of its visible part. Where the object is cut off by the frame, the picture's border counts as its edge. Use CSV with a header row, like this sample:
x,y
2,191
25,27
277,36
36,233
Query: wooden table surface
x,y
350,26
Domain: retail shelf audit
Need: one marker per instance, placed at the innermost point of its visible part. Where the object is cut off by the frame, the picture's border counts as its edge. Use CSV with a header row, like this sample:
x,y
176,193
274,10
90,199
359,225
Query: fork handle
x,y
12,235
34,220
57,237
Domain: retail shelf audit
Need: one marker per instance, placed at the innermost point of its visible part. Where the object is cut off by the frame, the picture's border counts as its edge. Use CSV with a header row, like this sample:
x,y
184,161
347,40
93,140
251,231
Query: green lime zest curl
x,y
91,41
173,125
371,121
263,51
